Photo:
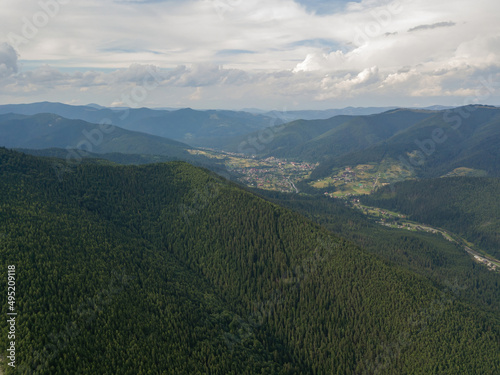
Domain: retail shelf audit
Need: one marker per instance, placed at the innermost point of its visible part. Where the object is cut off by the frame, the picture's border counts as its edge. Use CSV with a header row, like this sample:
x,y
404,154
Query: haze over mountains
x,y
185,125
423,142
281,187
463,137
209,128
53,131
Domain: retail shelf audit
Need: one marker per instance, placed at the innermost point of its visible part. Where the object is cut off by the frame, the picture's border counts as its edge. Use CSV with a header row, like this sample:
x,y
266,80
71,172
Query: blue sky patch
x,y
325,6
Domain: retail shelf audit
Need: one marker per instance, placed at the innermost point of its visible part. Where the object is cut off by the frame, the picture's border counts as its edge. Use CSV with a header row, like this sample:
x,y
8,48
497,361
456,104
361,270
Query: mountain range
x,y
422,143
197,128
208,128
465,137
132,261
425,143
53,131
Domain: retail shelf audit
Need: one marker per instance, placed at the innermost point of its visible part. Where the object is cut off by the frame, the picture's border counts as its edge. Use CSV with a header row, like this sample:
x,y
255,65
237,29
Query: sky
x,y
236,54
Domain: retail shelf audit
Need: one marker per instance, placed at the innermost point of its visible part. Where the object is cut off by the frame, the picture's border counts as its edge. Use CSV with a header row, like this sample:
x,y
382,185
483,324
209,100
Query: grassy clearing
x,y
466,172
361,179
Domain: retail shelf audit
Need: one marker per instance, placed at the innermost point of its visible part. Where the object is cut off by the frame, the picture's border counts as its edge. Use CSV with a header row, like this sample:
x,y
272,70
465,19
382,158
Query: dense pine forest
x,y
168,268
430,255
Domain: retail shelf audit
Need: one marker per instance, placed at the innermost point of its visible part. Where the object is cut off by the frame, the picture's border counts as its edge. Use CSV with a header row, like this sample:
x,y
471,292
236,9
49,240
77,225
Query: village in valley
x,y
271,173
282,175
268,174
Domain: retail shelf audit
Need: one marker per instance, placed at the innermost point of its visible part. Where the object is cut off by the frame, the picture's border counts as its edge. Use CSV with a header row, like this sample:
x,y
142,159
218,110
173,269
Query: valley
x,y
346,183
361,179
247,277
226,280
399,221
268,173
279,175
227,187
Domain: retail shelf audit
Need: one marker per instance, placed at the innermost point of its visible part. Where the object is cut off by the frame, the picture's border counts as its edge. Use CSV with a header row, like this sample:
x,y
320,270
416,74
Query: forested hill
x,y
316,140
465,205
52,131
197,128
463,137
167,268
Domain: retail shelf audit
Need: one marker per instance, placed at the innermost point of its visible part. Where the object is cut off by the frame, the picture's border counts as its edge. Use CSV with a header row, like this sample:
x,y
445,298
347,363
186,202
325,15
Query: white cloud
x,y
196,95
482,50
332,87
8,60
250,52
315,61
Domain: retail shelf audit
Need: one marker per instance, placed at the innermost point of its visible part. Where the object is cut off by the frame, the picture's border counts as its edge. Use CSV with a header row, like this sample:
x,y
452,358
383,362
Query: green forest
x,y
467,206
170,269
428,254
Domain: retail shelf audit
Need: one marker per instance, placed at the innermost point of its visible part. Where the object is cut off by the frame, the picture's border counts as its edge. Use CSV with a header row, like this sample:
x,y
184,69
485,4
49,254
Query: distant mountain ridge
x,y
463,137
48,130
197,128
328,113
314,140
356,133
424,142
471,135
204,128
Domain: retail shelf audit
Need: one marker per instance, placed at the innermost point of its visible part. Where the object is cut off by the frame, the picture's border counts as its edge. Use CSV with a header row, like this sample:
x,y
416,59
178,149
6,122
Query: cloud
x,y
196,95
230,52
480,51
316,61
199,75
274,52
194,76
333,87
433,26
135,73
317,42
8,60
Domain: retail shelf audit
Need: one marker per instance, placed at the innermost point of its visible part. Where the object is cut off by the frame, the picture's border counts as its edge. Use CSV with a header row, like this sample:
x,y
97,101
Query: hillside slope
x,y
357,134
52,131
428,254
316,140
167,268
467,206
465,137
197,128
